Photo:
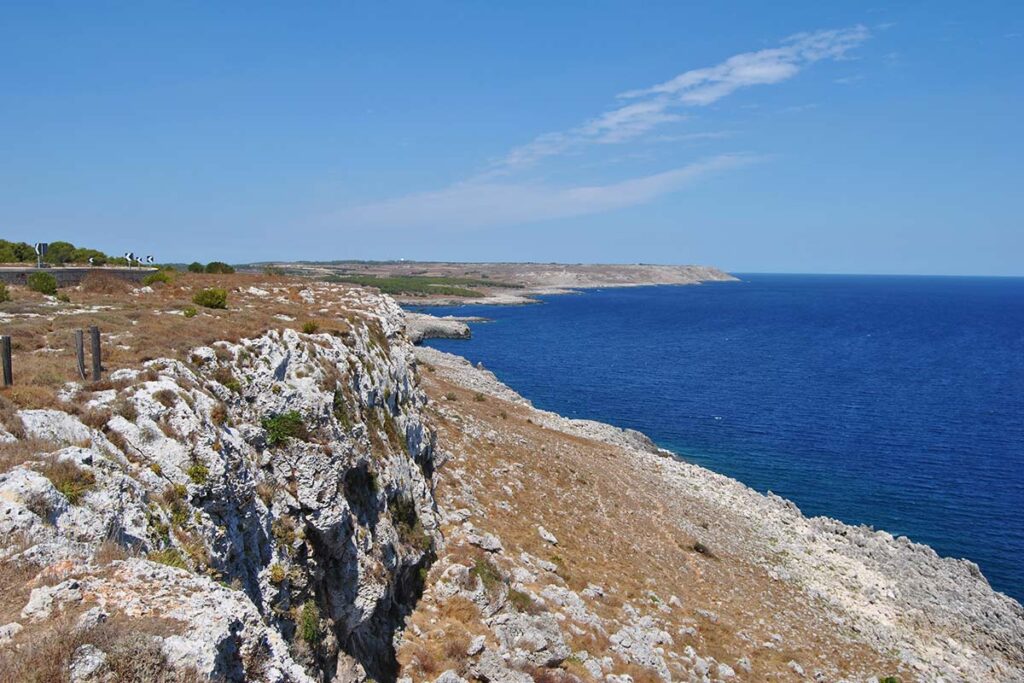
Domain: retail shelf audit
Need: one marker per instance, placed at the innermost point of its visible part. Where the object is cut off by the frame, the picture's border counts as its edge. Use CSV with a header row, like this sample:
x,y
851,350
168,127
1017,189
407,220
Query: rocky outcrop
x,y
271,498
420,326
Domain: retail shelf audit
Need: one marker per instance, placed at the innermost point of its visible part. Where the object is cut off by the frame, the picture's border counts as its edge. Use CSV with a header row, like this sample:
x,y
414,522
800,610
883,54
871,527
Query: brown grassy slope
x,y
618,528
140,326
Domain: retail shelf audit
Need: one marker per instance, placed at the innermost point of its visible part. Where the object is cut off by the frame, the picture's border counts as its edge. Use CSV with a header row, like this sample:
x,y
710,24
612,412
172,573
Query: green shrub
x,y
161,276
277,573
4,294
44,283
62,296
284,426
219,267
190,312
309,623
70,479
198,473
211,298
196,267
488,574
310,327
169,556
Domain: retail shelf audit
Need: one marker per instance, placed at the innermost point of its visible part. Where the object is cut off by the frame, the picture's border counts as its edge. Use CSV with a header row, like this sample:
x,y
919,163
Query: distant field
x,y
421,285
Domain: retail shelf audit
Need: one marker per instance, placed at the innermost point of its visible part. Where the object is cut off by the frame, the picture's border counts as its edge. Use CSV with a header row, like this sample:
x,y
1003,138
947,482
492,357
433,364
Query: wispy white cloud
x,y
475,204
661,103
492,198
700,87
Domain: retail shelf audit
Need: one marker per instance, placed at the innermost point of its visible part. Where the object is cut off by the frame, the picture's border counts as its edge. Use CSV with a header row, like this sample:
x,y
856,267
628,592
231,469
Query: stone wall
x,y
70,276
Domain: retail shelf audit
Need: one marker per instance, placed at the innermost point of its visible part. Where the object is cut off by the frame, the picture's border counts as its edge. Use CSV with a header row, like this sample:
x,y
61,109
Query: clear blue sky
x,y
803,137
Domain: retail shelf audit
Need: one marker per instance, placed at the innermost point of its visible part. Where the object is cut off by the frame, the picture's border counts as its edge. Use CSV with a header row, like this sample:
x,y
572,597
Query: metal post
x,y
97,366
5,352
80,352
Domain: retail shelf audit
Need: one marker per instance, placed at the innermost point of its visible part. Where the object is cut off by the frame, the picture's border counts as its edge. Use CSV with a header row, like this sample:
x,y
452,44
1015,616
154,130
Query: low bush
x,y
44,283
211,298
277,573
488,574
198,473
63,297
159,277
309,623
219,268
4,294
70,479
190,312
310,327
285,426
195,267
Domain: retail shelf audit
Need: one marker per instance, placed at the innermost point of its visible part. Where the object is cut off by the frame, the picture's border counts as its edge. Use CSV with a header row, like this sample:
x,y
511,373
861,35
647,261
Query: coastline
x,y
940,614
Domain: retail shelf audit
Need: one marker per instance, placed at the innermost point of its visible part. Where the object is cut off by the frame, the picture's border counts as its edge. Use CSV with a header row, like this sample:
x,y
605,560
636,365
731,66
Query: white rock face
x,y
293,468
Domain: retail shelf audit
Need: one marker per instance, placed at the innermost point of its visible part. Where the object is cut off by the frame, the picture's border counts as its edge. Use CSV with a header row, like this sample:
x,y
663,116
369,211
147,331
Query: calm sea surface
x,y
891,401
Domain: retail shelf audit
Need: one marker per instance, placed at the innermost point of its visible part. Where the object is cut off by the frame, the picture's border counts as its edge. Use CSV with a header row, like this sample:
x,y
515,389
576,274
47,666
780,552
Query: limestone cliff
x,y
269,499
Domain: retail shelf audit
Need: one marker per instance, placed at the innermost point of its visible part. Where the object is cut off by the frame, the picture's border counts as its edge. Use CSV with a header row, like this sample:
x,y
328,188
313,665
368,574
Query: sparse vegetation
x,y
407,524
309,623
285,426
224,376
421,285
44,283
212,297
159,277
172,557
310,327
198,473
488,574
70,479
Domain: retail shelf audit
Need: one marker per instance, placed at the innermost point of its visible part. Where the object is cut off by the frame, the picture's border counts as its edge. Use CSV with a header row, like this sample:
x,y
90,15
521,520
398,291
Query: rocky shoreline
x,y
339,505
938,616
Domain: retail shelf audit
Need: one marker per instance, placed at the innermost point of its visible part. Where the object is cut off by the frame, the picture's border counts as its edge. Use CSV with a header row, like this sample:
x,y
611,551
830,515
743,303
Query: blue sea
x,y
896,402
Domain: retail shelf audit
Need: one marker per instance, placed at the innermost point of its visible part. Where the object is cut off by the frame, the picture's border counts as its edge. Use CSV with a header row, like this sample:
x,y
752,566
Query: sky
x,y
844,137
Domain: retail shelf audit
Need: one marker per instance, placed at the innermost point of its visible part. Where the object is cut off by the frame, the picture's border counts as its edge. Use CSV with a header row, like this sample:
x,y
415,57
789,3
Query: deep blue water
x,y
891,401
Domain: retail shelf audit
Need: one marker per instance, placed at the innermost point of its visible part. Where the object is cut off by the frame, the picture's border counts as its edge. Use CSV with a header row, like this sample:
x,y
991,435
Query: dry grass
x,y
617,528
23,450
43,652
136,328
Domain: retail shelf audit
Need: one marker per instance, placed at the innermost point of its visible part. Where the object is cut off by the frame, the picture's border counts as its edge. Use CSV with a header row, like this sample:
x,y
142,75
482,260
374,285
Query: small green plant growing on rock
x,y
488,574
228,379
70,479
190,312
211,298
309,623
169,556
310,327
284,426
277,573
44,283
198,473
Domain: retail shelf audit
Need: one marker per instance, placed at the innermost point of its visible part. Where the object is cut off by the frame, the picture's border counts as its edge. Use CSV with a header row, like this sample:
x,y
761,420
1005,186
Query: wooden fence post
x,y
80,352
97,365
5,352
